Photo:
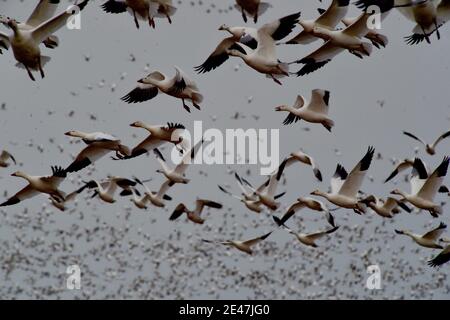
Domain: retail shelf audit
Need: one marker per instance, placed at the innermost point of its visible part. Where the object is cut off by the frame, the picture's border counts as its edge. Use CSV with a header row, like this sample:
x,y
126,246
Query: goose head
x,y
224,27
138,124
19,174
306,26
397,192
283,107
11,23
317,192
75,134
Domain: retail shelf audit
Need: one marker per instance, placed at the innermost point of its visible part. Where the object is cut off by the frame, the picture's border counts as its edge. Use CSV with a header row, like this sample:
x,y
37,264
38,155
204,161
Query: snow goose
x,y
155,198
250,39
91,137
329,19
345,187
180,86
424,187
158,135
62,205
308,239
178,174
385,208
442,258
266,192
95,150
4,157
195,215
39,184
25,42
400,166
429,239
300,156
139,9
310,203
376,38
107,189
314,111
254,8
244,246
162,9
253,205
337,41
430,148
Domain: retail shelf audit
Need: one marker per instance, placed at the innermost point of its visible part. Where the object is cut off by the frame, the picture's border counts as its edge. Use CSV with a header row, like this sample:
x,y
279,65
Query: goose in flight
x,y
98,145
308,239
195,215
442,258
39,184
424,187
377,39
163,9
314,111
310,203
385,208
252,204
5,156
429,239
345,187
107,189
244,246
25,42
157,136
430,148
300,156
329,19
244,40
155,198
44,11
180,86
400,166
266,192
62,205
253,8
337,41
177,175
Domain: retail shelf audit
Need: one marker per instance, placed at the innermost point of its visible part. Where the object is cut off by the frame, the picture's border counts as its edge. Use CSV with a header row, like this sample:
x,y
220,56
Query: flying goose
x,y
107,189
329,19
314,111
25,42
310,203
300,156
62,205
250,38
376,38
177,175
39,184
180,86
244,246
430,148
337,41
442,258
139,9
429,239
266,192
424,187
158,135
194,215
308,239
253,205
4,157
162,9
401,166
44,11
253,8
155,198
98,145
345,187
385,208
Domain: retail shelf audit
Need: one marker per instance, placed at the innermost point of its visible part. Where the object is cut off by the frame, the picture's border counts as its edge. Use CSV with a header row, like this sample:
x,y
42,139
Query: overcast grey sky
x,y
172,262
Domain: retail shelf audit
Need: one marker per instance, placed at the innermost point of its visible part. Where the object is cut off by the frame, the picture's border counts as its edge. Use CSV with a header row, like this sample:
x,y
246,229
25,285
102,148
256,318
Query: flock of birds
x,y
257,48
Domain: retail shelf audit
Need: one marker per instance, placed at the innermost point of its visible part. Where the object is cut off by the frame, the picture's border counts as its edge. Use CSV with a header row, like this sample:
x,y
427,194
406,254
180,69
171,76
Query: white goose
x,y
158,136
345,187
155,198
250,38
424,187
180,86
139,9
99,145
62,205
313,111
244,246
338,41
376,38
430,148
5,156
385,208
254,8
308,239
329,19
39,184
300,156
253,205
310,203
178,174
106,189
429,239
25,42
442,258
195,215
